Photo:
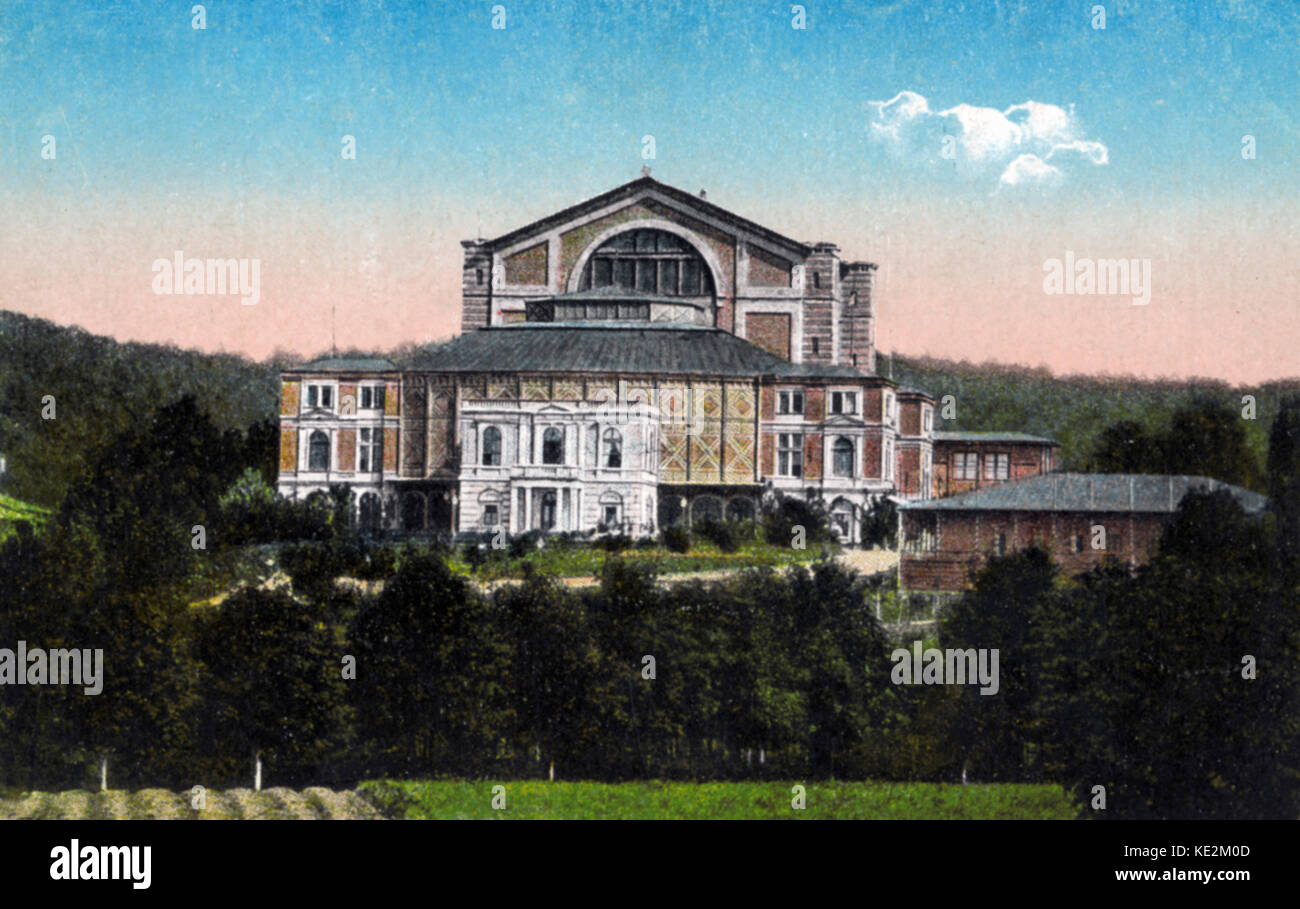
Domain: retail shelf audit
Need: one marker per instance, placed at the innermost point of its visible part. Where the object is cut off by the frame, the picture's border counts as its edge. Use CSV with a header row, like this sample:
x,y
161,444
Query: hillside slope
x,y
99,386
1073,410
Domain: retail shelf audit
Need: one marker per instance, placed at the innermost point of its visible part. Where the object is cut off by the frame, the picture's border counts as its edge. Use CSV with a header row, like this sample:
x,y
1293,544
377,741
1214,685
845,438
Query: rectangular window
x,y
888,471
690,278
490,515
927,419
603,272
997,467
320,396
372,397
647,275
965,465
668,276
844,402
789,454
789,402
625,273
369,450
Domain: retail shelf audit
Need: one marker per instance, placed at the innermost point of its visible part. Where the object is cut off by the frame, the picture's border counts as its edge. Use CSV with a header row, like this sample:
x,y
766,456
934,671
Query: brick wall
x,y
770,331
966,539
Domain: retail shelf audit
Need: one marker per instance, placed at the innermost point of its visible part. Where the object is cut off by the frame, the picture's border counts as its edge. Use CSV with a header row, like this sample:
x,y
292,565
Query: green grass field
x,y
722,801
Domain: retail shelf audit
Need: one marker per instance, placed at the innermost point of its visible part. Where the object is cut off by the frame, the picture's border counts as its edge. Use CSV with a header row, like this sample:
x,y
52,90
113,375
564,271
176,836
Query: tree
x,y
998,613
272,686
1124,447
431,688
1176,690
1284,486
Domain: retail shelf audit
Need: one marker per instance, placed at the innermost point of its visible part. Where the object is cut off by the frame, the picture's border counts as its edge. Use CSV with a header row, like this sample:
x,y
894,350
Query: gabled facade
x,y
641,358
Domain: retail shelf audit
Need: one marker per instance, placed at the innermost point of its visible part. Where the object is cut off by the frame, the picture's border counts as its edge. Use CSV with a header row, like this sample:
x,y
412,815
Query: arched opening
x,y
649,261
706,508
842,457
547,514
611,511
842,515
613,448
741,508
318,451
491,447
552,446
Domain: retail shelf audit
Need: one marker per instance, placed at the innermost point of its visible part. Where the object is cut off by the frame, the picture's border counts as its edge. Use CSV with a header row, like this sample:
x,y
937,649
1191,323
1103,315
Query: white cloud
x,y
1019,141
1093,151
1029,169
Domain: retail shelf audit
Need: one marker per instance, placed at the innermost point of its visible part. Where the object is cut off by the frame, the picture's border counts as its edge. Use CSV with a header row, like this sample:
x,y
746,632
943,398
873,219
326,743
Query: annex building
x,y
642,358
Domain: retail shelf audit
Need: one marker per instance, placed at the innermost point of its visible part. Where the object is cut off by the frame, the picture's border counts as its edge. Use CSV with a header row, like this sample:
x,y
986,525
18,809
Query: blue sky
x,y
487,129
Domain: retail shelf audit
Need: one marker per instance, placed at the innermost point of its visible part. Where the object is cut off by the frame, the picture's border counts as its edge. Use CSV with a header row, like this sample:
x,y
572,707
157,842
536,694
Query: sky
x,y
963,147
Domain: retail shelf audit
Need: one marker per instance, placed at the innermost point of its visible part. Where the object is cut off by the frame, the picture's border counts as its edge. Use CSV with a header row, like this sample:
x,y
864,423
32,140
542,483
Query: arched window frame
x,y
612,449
491,447
318,450
552,445
842,457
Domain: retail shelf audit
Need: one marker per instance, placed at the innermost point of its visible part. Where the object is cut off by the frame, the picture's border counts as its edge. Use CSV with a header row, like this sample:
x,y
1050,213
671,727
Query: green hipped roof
x,y
347,364
634,347
1100,492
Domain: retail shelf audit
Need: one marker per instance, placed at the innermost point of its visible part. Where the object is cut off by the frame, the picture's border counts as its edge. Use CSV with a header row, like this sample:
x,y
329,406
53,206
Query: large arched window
x,y
492,447
318,451
552,446
842,455
613,448
648,261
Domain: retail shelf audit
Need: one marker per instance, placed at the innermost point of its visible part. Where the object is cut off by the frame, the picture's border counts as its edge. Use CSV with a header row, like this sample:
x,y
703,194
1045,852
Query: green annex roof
x,y
1099,492
346,364
992,437
634,347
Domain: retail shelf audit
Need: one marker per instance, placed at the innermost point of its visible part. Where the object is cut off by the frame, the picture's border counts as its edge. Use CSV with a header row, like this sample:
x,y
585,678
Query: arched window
x,y
552,446
613,448
842,454
318,451
648,261
492,447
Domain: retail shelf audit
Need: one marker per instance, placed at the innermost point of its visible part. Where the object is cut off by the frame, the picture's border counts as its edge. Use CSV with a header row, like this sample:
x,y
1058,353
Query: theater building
x,y
642,358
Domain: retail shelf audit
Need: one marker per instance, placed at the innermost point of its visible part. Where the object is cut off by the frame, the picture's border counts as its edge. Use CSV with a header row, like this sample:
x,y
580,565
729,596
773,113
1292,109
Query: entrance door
x,y
547,511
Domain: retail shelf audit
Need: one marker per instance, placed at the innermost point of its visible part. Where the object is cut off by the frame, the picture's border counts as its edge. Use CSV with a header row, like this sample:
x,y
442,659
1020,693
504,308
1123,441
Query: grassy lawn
x,y
582,561
722,801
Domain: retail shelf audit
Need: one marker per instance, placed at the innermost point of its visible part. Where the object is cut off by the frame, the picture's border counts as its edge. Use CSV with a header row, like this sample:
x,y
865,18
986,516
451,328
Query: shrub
x,y
781,517
676,538
722,534
615,542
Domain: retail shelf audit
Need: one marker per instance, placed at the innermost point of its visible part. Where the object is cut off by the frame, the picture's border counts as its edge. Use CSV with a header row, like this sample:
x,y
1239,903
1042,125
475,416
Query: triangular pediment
x,y
644,198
